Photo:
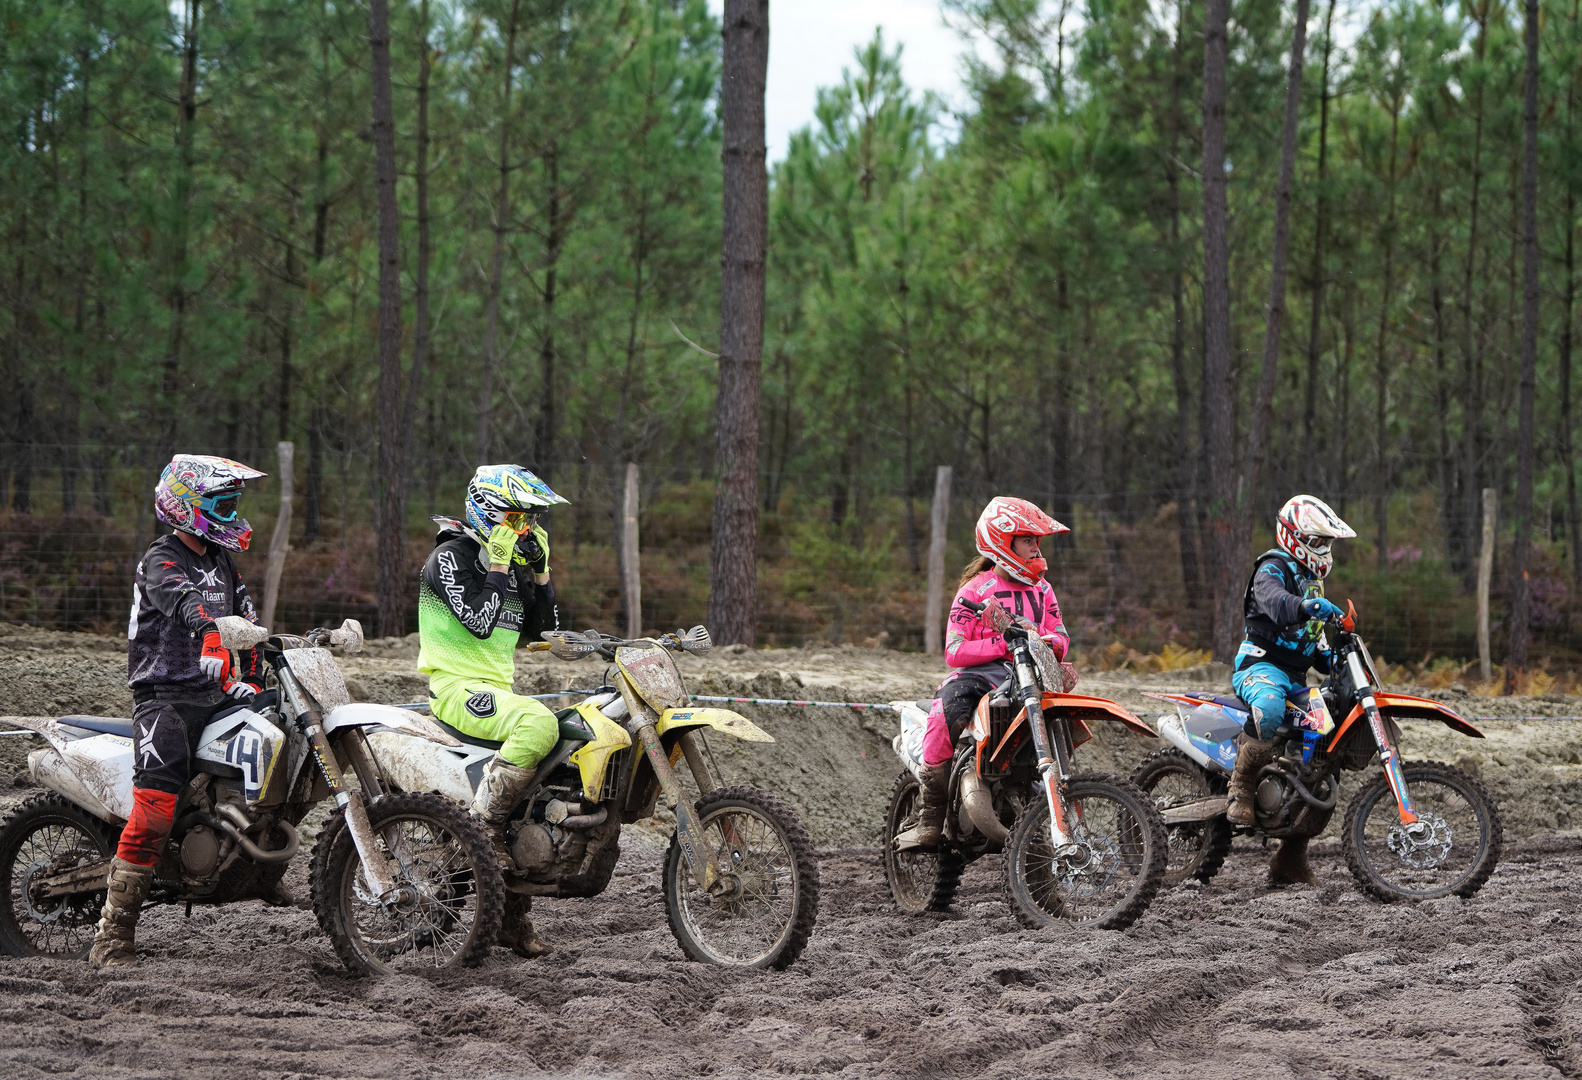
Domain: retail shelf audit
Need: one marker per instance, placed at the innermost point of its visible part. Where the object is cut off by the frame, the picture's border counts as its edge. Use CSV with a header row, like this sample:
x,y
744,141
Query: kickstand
x,y
189,909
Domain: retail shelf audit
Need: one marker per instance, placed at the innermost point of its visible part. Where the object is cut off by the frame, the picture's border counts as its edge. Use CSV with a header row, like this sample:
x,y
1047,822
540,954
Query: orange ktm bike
x,y
1079,847
1417,830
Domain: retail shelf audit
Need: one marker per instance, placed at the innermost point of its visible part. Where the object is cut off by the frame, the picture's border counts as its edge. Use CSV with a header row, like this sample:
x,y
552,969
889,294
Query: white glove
x,y
241,691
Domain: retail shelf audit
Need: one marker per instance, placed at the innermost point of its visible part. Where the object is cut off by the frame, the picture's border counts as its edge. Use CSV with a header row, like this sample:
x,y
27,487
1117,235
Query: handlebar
x,y
572,645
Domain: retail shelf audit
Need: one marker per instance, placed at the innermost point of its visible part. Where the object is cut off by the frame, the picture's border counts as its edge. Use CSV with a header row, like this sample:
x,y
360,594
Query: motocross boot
x,y
934,785
501,788
125,891
1253,756
1289,865
516,930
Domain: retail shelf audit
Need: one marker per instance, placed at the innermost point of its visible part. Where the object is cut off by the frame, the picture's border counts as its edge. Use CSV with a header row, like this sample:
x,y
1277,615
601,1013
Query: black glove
x,y
533,548
1014,633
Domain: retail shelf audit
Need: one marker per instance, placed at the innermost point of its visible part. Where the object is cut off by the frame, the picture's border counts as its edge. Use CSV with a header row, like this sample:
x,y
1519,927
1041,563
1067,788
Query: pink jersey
x,y
969,641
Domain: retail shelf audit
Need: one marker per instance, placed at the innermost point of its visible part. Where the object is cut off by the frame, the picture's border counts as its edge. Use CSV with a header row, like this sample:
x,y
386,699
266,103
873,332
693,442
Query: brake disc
x,y
1422,845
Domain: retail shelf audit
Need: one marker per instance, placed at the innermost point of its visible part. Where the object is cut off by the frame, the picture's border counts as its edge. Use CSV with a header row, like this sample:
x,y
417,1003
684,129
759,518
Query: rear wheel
x,y
46,835
1197,849
450,895
1451,849
1109,872
765,920
920,880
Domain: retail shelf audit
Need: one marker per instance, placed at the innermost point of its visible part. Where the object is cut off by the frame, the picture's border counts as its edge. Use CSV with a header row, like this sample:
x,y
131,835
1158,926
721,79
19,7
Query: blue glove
x,y
1319,608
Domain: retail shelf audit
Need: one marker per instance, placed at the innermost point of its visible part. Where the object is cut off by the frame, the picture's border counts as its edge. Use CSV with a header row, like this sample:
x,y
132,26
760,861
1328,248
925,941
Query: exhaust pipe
x,y
979,806
254,852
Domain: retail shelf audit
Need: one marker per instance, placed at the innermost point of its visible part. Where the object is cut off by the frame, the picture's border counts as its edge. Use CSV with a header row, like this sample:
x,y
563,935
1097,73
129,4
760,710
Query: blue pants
x,y
1264,687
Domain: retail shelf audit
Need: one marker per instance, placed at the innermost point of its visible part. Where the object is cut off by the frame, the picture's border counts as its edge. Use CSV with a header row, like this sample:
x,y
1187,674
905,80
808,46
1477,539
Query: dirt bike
x,y
1083,848
400,883
1419,829
740,878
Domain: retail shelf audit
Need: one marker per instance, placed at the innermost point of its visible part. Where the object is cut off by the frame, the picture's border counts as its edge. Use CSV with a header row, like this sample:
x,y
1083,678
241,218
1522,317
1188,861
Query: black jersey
x,y
176,597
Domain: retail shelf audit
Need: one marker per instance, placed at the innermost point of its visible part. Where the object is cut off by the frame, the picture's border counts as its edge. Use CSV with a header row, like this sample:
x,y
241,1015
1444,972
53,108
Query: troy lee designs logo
x,y
479,621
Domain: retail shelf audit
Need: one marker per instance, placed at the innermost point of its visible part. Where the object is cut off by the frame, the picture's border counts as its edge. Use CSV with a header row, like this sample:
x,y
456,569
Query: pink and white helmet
x,y
1006,518
197,494
1304,529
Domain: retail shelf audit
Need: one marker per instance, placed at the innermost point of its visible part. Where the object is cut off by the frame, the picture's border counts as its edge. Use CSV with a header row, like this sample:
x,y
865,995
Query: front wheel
x,y
1197,849
920,880
1451,850
42,836
449,898
1109,872
765,918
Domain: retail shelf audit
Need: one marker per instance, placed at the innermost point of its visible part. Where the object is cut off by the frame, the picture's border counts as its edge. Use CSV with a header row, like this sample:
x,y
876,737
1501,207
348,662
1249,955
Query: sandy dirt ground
x,y
1232,979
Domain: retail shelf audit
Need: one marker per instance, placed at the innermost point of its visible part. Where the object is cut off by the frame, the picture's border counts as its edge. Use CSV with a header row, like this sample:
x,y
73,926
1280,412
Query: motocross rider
x,y
1008,578
179,672
1285,610
484,586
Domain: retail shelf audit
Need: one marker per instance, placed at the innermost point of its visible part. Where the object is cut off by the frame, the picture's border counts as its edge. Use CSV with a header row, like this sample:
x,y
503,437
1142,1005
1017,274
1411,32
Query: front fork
x,y
1054,768
1389,755
695,847
376,867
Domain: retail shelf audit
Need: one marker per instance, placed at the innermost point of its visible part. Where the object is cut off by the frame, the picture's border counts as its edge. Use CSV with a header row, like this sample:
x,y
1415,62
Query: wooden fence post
x,y
1485,578
632,576
280,539
933,613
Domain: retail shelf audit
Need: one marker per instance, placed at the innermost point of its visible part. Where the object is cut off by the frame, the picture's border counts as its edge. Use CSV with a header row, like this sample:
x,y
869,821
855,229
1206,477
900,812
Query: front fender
x,y
1087,707
722,720
407,721
1404,707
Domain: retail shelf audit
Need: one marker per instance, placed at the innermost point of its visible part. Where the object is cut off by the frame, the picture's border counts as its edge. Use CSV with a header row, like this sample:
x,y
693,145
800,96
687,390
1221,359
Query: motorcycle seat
x,y
104,725
572,727
1226,701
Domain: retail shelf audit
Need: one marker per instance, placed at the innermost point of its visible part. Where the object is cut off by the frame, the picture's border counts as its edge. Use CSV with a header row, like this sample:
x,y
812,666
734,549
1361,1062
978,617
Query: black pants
x,y
959,697
165,734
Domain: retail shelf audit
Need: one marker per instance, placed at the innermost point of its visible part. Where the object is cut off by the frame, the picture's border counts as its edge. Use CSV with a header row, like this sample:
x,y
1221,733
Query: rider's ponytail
x,y
977,566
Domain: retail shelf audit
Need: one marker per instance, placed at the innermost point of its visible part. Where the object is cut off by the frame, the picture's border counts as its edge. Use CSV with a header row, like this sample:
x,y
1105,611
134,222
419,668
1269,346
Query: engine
x,y
563,846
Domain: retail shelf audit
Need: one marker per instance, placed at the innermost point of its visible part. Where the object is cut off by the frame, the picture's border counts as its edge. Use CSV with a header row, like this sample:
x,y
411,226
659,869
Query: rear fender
x,y
1404,707
46,726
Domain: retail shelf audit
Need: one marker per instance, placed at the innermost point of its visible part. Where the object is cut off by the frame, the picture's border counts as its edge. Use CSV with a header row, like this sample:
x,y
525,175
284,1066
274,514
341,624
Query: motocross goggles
x,y
221,507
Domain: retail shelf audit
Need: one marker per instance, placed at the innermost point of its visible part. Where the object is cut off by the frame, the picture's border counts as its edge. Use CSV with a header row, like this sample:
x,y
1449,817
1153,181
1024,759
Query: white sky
x,y
810,41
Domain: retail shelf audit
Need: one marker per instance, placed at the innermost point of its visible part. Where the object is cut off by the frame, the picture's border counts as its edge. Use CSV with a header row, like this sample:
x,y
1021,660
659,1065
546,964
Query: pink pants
x,y
937,745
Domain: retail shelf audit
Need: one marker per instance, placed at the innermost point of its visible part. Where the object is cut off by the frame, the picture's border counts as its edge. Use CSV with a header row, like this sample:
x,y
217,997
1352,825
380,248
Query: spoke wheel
x,y
1197,849
451,896
45,835
1452,849
765,919
919,880
1109,873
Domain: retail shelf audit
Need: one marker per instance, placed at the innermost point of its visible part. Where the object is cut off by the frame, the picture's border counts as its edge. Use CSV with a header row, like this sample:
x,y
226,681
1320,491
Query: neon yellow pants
x,y
526,728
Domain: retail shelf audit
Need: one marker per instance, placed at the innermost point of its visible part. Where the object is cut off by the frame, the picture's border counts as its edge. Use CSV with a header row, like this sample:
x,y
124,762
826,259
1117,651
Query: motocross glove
x,y
215,659
500,545
1015,633
533,549
241,691
1319,608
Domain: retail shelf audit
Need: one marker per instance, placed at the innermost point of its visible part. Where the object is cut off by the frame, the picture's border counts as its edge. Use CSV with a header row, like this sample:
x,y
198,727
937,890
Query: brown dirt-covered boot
x,y
1289,865
516,929
1253,755
934,785
126,889
500,789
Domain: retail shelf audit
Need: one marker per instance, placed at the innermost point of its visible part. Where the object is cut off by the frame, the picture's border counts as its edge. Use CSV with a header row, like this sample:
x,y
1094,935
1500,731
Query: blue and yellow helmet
x,y
506,495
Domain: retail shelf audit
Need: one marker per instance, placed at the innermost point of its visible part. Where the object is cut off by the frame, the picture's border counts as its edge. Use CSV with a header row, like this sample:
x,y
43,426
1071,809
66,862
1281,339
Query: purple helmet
x,y
197,494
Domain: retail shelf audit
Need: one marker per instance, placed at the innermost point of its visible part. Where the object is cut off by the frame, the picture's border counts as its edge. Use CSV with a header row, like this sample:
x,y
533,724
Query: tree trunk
x,y
1274,313
1471,363
733,592
548,417
1185,463
1573,519
420,329
1217,411
1316,316
391,482
186,122
1516,657
502,223
1381,478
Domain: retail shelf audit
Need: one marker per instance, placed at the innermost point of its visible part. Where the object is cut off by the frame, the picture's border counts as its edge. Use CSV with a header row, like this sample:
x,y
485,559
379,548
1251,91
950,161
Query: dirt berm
x,y
835,765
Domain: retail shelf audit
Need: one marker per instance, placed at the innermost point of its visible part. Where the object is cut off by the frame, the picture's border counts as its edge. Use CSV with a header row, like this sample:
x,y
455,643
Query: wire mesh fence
x,y
840,558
